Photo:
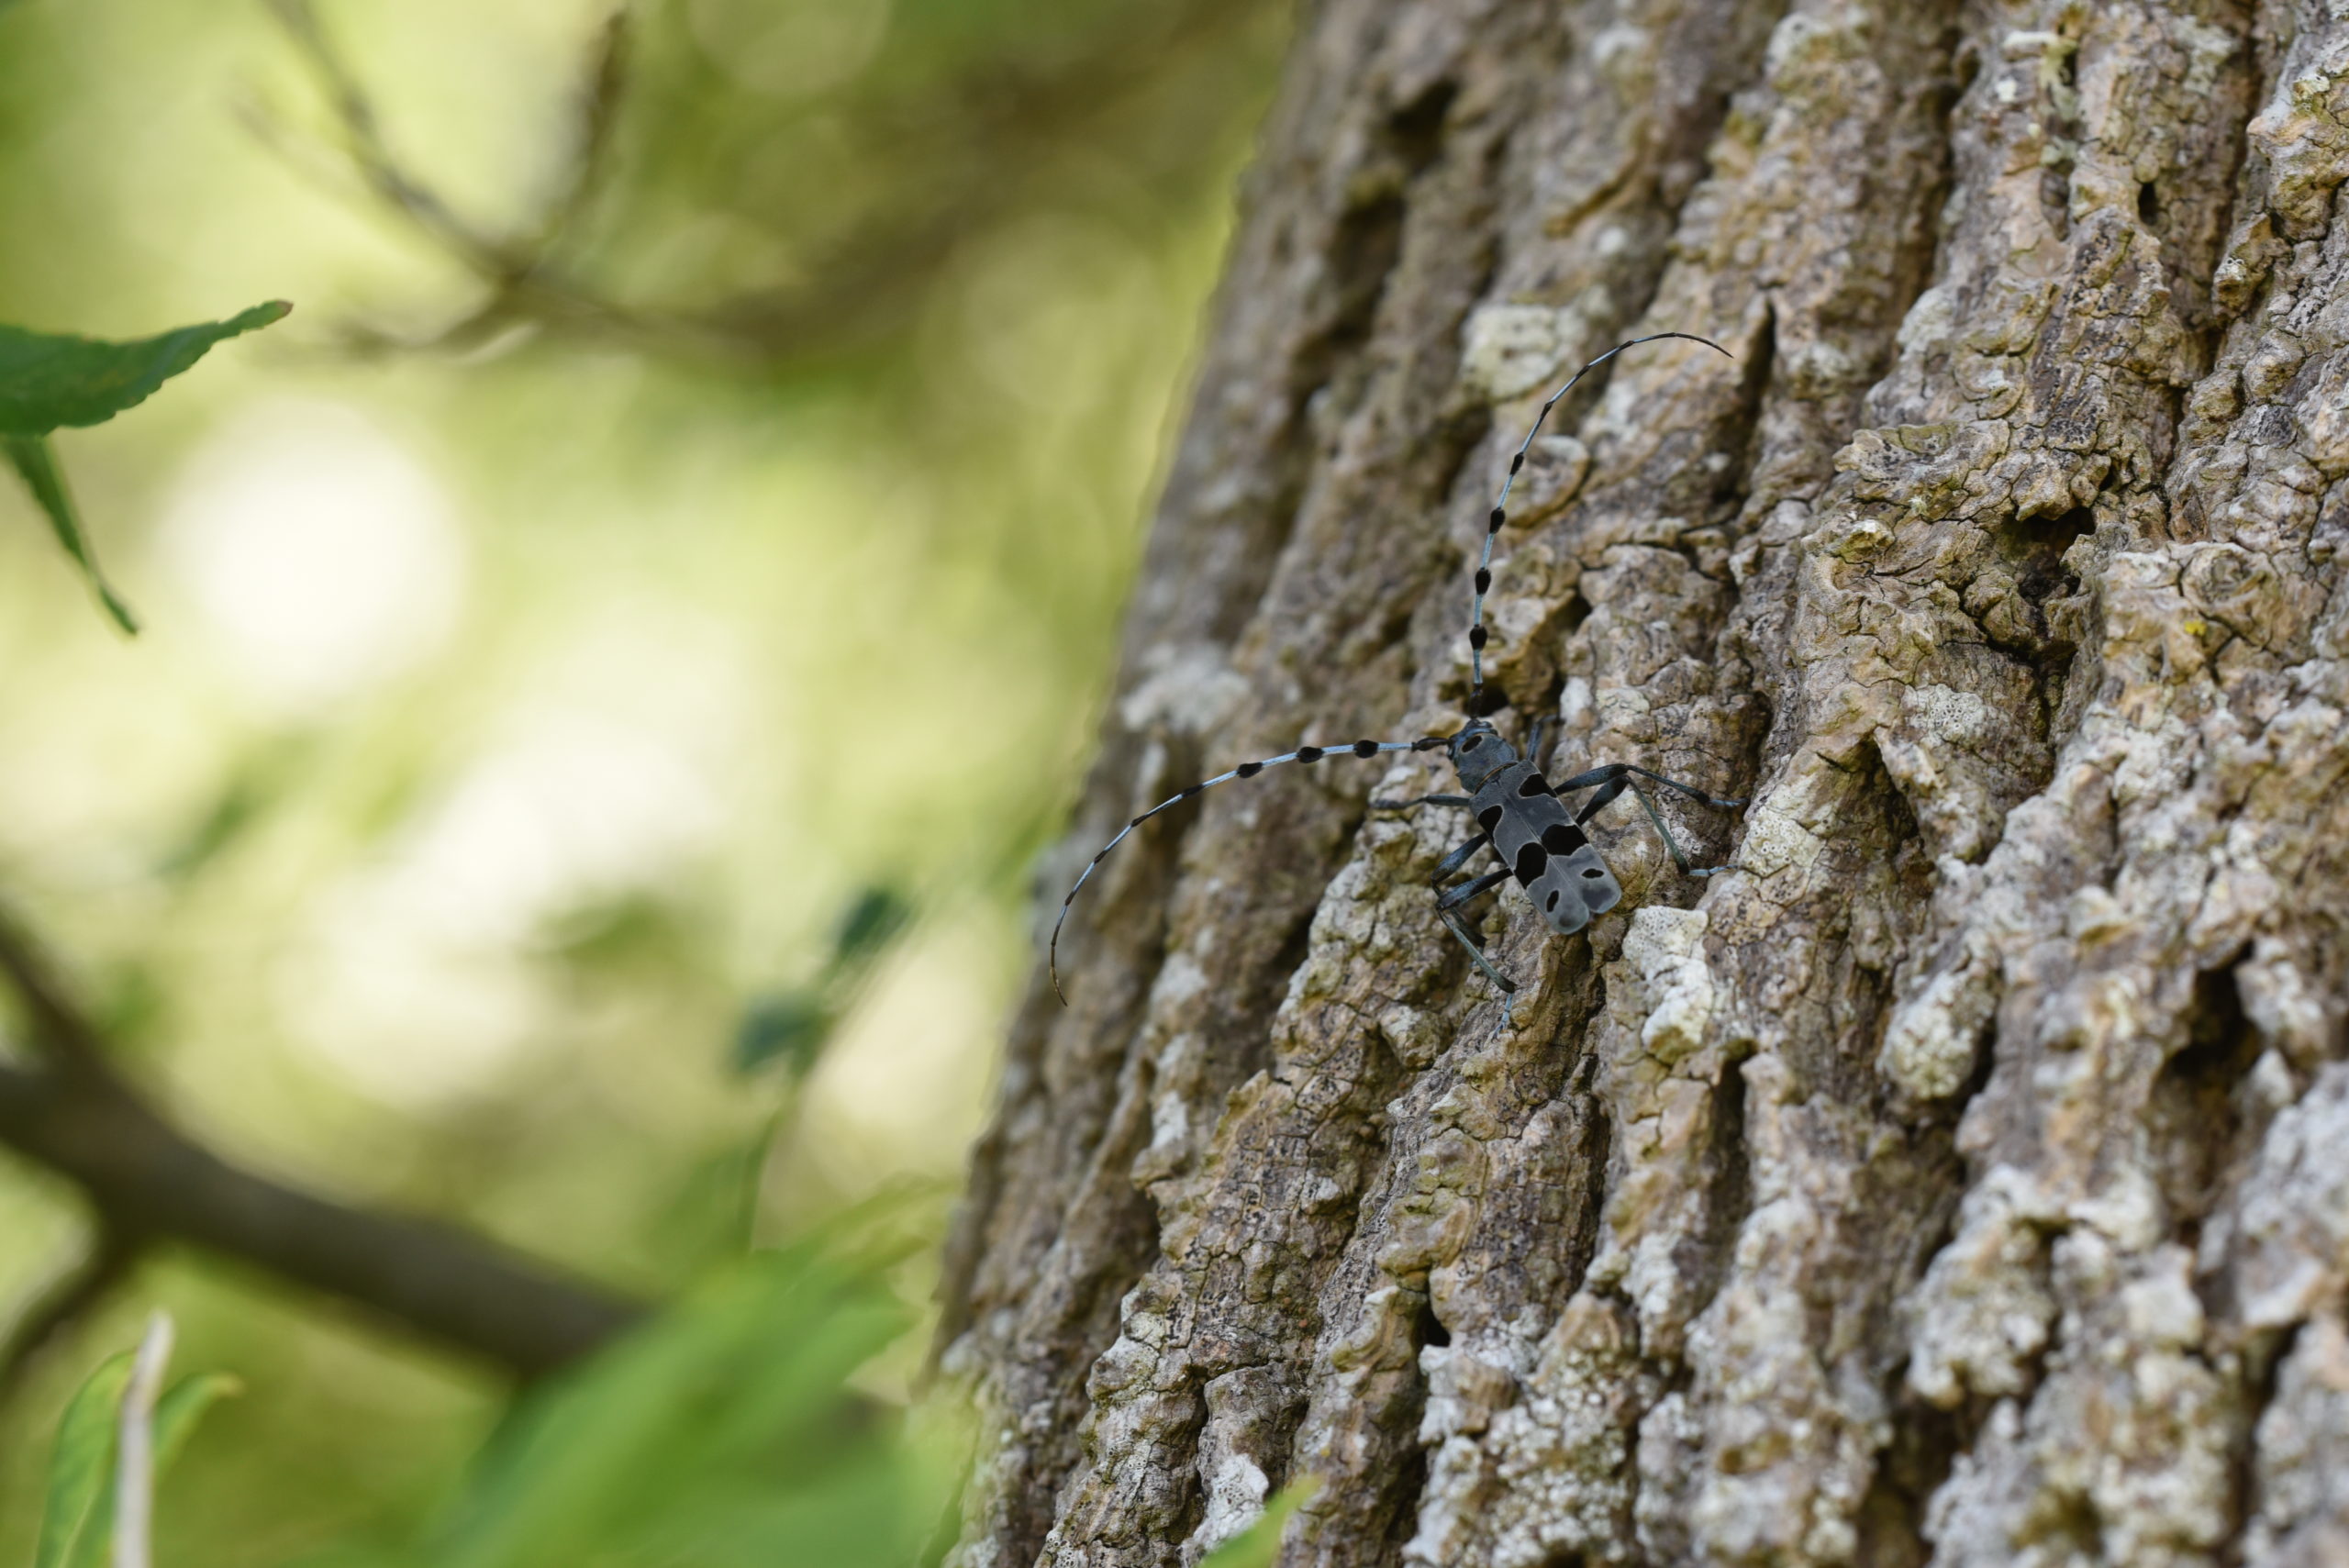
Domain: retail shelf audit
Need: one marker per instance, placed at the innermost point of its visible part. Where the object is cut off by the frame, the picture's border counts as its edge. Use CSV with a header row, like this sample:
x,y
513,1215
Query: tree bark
x,y
1962,1179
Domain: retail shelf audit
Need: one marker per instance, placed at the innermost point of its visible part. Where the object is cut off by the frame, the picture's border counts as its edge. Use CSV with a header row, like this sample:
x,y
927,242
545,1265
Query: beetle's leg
x,y
1456,859
1621,781
1447,906
1534,752
1459,800
1614,771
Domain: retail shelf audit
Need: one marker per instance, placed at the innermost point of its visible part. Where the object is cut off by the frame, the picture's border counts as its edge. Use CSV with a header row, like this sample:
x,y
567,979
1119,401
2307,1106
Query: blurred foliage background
x,y
611,657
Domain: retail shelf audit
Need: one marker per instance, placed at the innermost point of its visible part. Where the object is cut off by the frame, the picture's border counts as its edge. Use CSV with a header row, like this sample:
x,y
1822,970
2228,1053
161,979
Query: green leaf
x,y
870,922
77,1526
725,1432
50,380
791,1029
81,1468
34,463
1256,1546
178,1411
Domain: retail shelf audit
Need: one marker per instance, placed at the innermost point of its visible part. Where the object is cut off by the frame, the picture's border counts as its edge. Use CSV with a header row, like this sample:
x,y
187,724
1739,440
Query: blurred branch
x,y
526,286
998,115
149,1180
68,1298
60,1028
372,157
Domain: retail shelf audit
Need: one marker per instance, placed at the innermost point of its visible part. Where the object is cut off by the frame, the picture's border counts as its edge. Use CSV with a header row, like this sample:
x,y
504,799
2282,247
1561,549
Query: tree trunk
x,y
1965,1177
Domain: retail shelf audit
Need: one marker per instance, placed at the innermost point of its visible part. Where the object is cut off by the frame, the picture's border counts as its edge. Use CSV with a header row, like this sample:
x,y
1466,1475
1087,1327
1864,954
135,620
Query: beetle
x,y
1519,815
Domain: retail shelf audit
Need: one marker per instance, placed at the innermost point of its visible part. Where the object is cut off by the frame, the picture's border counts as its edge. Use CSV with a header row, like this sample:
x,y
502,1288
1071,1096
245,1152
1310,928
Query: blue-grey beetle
x,y
1518,814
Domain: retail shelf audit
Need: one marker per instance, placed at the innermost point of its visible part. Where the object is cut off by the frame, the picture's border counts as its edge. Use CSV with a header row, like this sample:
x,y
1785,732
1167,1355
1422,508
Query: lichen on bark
x,y
1962,1179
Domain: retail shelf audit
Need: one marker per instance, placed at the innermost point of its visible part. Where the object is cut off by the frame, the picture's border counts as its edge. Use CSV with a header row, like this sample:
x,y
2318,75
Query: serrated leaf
x,y
49,381
1256,1546
81,1467
36,466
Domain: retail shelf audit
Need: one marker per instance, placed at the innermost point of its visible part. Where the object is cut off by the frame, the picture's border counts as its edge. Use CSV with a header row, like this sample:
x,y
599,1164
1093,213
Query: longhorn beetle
x,y
1518,814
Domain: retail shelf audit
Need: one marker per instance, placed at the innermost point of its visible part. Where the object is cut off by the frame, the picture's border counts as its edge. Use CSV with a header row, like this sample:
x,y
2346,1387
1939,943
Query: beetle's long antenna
x,y
1244,770
1484,580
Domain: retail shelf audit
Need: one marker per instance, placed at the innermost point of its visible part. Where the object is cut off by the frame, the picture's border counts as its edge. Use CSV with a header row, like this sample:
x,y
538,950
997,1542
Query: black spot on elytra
x,y
1530,860
1551,903
1489,818
1531,785
1592,872
1563,839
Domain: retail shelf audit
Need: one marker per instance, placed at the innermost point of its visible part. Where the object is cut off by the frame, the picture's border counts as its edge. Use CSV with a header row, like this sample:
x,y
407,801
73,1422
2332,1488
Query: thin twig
x,y
134,1485
371,155
523,281
996,115
591,158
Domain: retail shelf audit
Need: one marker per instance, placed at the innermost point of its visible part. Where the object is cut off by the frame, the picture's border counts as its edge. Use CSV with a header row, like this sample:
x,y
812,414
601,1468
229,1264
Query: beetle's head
x,y
1478,752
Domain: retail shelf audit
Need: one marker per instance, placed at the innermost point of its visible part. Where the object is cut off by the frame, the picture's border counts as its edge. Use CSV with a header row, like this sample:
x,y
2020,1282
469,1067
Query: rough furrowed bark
x,y
1965,1177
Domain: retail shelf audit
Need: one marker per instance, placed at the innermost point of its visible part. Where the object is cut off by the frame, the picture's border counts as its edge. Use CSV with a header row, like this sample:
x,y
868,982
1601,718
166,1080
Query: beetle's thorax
x,y
1478,752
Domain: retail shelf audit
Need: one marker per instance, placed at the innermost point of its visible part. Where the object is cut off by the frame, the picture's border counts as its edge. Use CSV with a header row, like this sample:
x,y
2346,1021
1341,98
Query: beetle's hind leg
x,y
1617,777
1614,771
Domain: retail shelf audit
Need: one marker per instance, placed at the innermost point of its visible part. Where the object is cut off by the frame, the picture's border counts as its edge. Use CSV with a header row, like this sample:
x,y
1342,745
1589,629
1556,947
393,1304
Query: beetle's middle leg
x,y
1447,908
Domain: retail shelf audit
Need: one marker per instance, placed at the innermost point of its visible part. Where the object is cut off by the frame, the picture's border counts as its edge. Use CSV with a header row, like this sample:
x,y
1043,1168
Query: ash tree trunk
x,y
1964,1178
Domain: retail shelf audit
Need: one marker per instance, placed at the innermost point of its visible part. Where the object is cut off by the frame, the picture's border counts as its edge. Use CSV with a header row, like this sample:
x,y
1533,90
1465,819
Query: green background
x,y
519,711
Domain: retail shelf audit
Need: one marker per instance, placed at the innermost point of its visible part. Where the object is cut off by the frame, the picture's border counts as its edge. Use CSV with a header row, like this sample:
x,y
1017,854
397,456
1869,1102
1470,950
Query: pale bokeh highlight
x,y
325,557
